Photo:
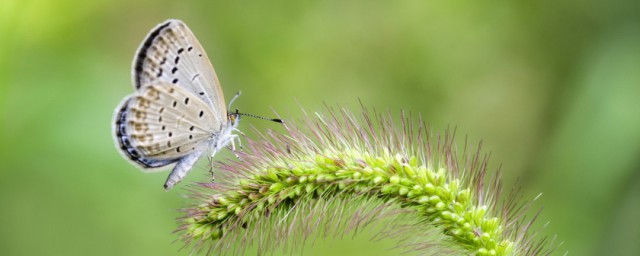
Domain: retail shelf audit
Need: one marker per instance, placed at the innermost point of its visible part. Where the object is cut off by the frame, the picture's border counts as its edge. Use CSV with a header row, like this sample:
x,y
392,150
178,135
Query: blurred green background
x,y
551,87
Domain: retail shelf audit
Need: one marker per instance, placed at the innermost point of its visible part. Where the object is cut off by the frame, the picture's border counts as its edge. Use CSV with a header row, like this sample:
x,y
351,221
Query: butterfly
x,y
178,111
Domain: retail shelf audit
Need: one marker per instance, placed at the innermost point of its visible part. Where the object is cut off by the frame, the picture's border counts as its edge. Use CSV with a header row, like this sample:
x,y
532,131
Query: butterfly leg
x,y
238,137
210,159
232,146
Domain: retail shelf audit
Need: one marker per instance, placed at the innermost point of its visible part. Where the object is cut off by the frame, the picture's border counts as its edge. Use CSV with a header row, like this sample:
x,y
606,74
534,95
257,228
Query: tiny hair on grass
x,y
335,172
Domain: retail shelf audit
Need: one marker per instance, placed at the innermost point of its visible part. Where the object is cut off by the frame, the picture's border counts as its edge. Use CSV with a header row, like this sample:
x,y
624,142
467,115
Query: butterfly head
x,y
234,117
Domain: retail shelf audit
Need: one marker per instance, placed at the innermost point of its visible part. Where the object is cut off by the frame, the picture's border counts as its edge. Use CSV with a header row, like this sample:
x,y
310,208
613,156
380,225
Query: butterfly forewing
x,y
172,54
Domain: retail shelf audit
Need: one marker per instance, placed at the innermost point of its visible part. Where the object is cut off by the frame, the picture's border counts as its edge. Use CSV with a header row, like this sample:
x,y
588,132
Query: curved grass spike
x,y
334,173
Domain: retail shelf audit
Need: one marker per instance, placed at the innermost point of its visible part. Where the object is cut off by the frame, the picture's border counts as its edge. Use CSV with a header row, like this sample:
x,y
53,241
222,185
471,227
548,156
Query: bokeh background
x,y
551,87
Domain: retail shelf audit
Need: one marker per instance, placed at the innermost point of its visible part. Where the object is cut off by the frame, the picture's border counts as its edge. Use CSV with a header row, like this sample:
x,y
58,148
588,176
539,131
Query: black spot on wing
x,y
133,152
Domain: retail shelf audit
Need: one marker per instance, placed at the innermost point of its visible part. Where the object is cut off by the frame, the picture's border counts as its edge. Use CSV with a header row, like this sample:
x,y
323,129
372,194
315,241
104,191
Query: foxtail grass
x,y
336,172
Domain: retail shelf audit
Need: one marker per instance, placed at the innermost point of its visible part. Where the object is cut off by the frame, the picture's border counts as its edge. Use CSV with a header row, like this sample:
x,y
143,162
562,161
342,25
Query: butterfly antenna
x,y
234,99
277,120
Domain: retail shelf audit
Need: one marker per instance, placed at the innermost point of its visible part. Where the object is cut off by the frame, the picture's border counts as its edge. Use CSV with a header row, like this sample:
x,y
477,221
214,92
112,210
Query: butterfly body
x,y
177,112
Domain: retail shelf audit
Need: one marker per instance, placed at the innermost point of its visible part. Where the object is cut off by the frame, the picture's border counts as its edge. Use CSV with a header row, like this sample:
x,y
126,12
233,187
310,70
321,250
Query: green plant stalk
x,y
385,177
395,166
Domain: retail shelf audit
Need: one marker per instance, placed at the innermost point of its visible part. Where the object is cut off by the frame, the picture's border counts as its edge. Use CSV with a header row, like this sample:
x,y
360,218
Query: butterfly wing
x,y
171,53
162,123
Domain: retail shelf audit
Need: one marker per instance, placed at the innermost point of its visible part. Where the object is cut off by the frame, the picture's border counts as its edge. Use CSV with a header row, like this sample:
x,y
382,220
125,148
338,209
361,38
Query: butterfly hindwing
x,y
164,122
123,141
